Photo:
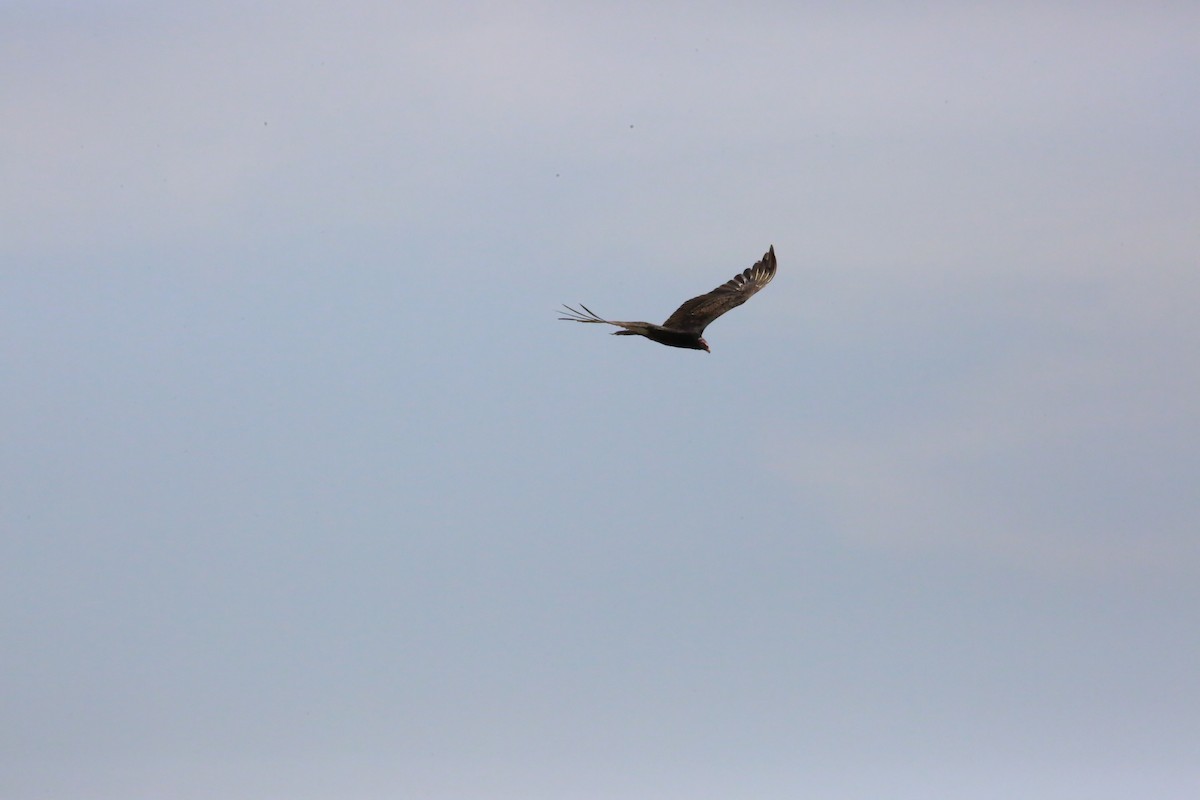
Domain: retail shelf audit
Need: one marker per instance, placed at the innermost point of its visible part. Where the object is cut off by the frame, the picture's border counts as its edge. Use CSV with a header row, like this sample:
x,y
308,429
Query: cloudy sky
x,y
305,492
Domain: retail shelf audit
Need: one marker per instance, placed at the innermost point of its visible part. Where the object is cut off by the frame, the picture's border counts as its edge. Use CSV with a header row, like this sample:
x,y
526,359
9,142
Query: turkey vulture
x,y
685,326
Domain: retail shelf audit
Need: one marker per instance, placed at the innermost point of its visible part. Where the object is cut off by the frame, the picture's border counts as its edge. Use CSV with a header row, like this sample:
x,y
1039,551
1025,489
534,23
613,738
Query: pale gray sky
x,y
305,493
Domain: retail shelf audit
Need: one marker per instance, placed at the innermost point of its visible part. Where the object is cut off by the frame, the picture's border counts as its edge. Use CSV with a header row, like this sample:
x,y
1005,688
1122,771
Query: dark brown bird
x,y
685,326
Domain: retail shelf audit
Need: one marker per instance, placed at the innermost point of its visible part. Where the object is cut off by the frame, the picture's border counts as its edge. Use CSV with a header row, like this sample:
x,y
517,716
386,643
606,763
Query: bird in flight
x,y
685,326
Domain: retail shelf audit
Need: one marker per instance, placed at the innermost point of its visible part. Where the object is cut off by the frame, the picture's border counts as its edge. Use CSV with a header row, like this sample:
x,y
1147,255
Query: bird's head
x,y
704,344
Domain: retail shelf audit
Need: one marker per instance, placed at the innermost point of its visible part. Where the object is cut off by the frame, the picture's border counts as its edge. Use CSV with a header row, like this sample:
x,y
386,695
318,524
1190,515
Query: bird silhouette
x,y
685,328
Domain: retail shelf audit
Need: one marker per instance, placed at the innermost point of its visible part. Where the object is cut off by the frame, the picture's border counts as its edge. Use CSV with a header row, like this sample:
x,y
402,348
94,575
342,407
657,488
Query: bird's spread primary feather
x,y
685,327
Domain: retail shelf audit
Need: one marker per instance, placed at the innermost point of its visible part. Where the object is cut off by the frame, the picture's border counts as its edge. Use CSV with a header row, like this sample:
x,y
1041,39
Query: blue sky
x,y
305,493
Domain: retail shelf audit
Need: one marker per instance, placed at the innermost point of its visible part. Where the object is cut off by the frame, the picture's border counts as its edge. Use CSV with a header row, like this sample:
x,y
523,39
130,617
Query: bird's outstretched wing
x,y
695,315
574,315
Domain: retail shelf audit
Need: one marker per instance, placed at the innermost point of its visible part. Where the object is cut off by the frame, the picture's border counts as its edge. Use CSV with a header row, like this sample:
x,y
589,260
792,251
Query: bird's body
x,y
686,326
